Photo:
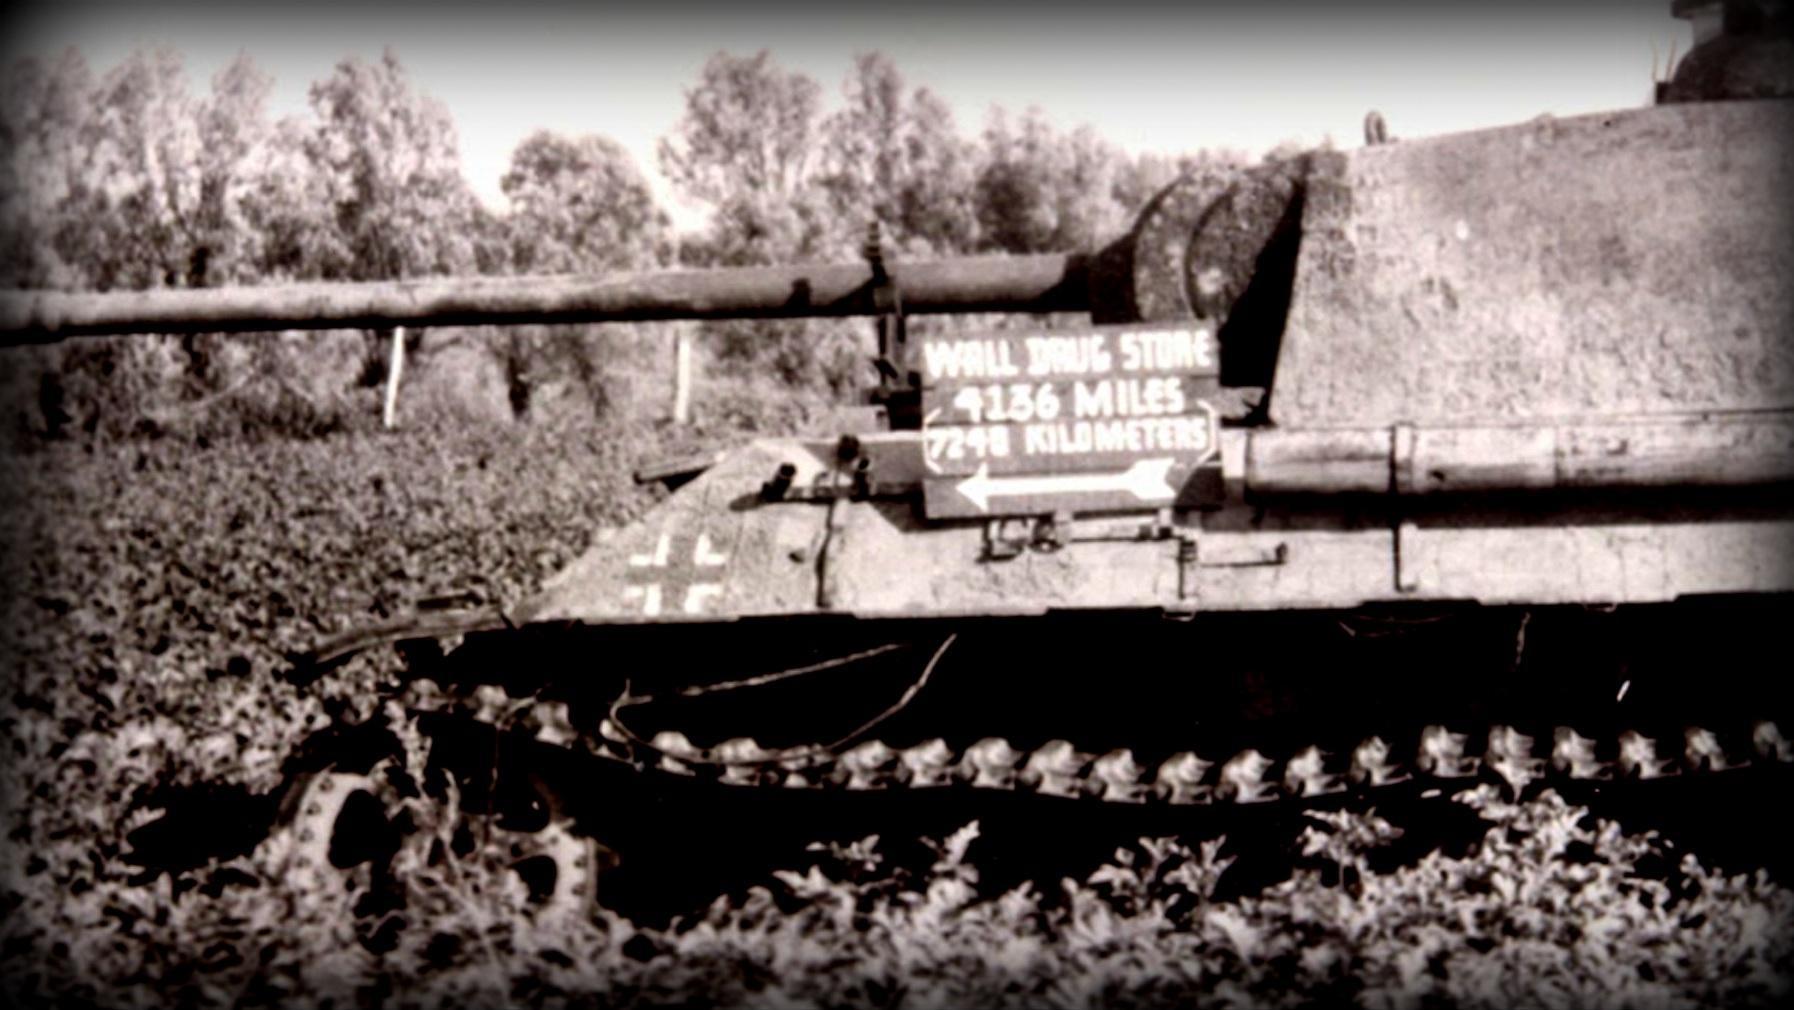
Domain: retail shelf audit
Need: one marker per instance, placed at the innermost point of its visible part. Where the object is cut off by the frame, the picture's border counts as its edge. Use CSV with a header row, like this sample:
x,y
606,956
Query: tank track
x,y
1435,754
1434,761
1435,757
1427,760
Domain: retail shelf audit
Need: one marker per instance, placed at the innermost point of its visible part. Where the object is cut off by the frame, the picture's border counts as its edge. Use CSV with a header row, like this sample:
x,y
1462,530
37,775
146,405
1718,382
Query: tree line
x,y
130,180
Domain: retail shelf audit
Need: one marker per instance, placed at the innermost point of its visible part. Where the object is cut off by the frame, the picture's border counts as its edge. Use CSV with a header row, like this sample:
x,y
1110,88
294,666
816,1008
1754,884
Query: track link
x,y
1434,756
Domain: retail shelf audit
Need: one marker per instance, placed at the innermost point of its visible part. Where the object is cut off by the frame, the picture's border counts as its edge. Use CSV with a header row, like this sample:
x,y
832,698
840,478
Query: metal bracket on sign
x,y
1401,479
1189,557
897,388
1006,538
834,535
840,483
1407,579
1252,557
1401,458
1192,557
1054,531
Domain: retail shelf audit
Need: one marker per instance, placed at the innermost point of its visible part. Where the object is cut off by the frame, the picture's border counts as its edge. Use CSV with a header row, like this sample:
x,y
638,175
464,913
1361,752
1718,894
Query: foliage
x,y
749,127
896,158
580,205
787,184
130,181
162,590
129,225
391,177
1039,190
40,147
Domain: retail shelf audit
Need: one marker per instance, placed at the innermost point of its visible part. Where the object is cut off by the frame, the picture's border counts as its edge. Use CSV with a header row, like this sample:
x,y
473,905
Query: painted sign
x,y
1098,419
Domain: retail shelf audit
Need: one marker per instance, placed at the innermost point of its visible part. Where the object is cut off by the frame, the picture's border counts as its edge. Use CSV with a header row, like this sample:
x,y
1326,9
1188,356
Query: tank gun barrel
x,y
1041,283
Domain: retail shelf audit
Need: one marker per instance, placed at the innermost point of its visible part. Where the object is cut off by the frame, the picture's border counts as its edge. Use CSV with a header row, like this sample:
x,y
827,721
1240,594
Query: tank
x,y
1435,460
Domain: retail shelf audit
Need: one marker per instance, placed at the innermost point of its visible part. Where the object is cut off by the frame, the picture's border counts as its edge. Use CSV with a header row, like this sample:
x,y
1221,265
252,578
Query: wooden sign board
x,y
1104,418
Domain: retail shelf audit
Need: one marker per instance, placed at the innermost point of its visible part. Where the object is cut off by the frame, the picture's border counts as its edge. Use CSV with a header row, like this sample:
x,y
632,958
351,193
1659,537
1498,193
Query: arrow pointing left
x,y
1147,480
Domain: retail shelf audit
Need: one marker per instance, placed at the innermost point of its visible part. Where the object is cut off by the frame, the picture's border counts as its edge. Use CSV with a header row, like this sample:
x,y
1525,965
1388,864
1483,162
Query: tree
x,y
39,124
580,204
131,205
748,125
1040,191
287,208
390,177
134,183
895,157
234,151
747,146
385,170
1138,180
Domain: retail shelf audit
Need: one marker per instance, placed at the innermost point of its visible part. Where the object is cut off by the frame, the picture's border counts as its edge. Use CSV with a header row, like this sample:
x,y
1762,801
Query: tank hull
x,y
718,551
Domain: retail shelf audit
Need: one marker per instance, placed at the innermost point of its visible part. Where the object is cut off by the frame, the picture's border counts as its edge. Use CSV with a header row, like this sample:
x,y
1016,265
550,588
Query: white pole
x,y
394,369
682,374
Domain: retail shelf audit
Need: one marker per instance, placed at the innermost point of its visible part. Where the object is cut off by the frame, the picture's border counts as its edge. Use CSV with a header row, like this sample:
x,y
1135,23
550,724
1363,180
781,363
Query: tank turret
x,y
1742,49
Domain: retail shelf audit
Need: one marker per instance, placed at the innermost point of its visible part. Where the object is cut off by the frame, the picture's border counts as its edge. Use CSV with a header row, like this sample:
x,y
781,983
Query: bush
x,y
220,389
1553,909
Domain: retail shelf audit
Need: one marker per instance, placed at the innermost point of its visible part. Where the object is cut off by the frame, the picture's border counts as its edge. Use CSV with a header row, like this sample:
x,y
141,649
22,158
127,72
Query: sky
x,y
1165,77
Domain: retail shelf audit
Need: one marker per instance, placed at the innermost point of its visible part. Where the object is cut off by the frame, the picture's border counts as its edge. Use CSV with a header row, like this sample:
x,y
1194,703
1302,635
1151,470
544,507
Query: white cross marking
x,y
698,595
698,592
704,557
659,558
649,595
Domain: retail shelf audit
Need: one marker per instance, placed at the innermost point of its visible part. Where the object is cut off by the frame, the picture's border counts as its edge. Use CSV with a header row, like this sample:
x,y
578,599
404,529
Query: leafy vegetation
x,y
163,589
